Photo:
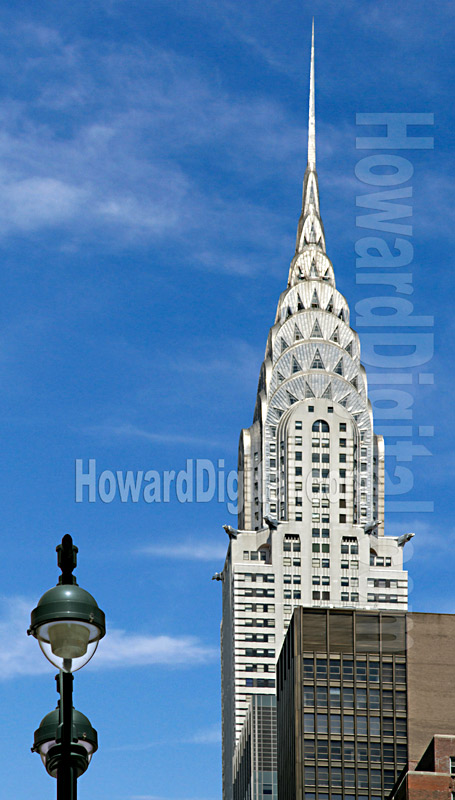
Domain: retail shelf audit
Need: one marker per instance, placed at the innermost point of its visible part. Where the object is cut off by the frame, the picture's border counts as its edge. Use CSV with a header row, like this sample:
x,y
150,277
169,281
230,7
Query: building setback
x,y
311,482
434,776
357,695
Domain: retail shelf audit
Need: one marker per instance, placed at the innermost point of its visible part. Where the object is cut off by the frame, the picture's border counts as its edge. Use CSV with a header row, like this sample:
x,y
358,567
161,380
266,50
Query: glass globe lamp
x,y
68,625
83,744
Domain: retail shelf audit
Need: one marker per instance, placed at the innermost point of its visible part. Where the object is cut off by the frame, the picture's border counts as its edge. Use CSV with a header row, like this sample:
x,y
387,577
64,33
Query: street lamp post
x,y
66,772
68,625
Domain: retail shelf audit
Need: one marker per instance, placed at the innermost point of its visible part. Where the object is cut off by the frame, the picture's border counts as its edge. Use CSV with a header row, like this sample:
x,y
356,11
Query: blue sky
x,y
151,159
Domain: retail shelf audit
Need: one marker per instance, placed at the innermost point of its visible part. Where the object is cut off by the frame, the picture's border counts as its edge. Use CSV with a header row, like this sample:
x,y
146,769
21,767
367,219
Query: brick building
x,y
434,776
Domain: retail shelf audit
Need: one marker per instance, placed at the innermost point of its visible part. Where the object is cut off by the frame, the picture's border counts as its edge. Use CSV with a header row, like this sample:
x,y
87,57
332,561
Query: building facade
x,y
357,694
311,481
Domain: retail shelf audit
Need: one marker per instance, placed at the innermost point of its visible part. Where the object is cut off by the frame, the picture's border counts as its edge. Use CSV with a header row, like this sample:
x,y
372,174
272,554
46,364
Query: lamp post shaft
x,y
66,774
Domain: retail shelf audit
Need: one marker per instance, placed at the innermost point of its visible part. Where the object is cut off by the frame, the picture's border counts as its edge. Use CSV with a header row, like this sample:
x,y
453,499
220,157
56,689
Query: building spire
x,y
310,232
311,113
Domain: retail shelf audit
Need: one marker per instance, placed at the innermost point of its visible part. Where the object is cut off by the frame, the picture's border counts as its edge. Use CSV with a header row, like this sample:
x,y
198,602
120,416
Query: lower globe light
x,y
84,744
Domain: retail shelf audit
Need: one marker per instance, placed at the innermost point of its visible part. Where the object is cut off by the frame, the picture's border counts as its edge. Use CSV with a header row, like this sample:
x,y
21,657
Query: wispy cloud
x,y
132,431
112,166
204,366
128,115
159,797
404,25
208,736
218,360
211,735
122,649
19,655
195,551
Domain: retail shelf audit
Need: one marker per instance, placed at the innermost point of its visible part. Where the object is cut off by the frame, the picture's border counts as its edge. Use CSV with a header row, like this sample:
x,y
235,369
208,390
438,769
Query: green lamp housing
x,y
84,742
68,625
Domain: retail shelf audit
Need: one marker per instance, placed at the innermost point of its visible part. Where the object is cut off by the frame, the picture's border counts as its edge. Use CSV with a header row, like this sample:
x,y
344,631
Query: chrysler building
x,y
311,484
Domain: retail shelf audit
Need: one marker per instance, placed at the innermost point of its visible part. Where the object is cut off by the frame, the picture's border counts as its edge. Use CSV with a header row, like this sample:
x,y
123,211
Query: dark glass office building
x,y
357,694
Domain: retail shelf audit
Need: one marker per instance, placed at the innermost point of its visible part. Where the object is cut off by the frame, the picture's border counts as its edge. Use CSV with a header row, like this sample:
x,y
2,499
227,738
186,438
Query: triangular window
x,y
295,365
330,305
348,348
284,345
289,312
354,383
334,336
327,394
316,333
341,315
279,411
315,300
313,270
344,402
297,334
292,399
317,361
339,367
300,306
308,390
280,377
